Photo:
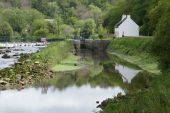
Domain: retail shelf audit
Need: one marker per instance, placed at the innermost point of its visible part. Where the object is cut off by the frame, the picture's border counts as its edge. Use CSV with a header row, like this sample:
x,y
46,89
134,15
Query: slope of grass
x,y
153,99
156,99
136,51
54,53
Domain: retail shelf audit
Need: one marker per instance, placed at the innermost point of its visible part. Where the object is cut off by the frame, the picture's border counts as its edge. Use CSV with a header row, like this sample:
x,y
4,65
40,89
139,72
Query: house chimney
x,y
123,16
128,16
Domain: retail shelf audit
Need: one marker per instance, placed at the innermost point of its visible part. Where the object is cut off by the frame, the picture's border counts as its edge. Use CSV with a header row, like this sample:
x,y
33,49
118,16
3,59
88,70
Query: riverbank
x,y
155,98
34,67
135,51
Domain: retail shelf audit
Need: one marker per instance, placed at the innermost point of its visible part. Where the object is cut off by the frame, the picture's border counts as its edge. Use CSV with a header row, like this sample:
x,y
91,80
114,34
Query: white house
x,y
126,27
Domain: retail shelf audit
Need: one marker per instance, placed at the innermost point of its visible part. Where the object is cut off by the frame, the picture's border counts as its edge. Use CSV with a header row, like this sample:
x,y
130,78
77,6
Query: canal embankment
x,y
152,99
135,51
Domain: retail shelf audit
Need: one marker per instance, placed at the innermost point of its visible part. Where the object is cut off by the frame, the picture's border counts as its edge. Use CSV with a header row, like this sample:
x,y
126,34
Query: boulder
x,y
37,62
3,83
6,56
7,50
16,54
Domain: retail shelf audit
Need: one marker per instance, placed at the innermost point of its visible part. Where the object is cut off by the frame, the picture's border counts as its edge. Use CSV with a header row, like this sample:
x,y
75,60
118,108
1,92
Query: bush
x,y
6,31
161,45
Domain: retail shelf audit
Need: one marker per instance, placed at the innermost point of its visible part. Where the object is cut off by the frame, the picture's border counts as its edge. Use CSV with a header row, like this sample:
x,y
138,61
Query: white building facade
x,y
126,27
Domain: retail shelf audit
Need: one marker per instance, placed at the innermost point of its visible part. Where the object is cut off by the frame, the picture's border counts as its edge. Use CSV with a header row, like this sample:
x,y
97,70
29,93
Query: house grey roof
x,y
120,22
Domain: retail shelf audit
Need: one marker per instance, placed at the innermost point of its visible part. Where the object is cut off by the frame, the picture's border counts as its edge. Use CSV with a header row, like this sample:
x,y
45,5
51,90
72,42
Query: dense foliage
x,y
161,45
6,31
72,15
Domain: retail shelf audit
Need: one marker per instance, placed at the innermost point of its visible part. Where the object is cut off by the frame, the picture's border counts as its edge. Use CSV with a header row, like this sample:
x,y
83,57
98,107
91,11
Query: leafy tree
x,y
42,32
39,28
15,18
67,31
155,14
101,32
96,14
58,22
6,31
52,9
114,15
88,28
16,3
161,45
31,15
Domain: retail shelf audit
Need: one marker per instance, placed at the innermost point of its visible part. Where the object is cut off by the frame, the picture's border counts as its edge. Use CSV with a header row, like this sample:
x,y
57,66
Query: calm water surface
x,y
71,93
71,100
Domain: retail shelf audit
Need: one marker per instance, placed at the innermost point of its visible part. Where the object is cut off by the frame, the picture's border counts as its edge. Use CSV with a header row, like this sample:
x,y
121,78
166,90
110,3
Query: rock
x,y
16,54
6,56
18,76
18,50
3,83
22,83
37,62
7,50
20,63
7,79
28,60
97,102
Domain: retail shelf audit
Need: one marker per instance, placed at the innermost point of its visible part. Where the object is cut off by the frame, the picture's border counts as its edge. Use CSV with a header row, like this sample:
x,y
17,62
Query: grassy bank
x,y
38,66
135,51
153,99
58,57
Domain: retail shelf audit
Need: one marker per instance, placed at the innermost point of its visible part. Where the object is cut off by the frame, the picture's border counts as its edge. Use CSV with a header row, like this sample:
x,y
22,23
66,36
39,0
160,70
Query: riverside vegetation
x,y
34,67
155,98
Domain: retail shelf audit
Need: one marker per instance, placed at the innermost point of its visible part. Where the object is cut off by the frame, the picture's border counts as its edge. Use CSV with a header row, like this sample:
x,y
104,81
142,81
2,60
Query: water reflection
x,y
127,73
72,92
70,100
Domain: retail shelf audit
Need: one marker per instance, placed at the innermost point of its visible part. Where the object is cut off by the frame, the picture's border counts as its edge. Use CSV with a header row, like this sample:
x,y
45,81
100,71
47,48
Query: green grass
x,y
71,59
152,99
68,64
136,51
54,53
155,99
63,68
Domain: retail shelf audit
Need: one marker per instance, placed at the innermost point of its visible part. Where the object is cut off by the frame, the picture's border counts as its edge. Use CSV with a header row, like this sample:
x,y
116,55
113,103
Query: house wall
x,y
127,28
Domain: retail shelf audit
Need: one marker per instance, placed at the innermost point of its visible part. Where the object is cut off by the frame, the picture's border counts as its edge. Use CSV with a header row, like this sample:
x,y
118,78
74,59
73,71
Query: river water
x,y
4,63
72,92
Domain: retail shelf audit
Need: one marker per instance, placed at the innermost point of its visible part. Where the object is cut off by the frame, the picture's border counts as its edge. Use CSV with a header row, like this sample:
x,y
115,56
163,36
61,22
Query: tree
x,y
52,9
88,28
58,22
67,31
155,14
16,3
6,31
31,15
161,45
39,28
114,15
96,14
16,18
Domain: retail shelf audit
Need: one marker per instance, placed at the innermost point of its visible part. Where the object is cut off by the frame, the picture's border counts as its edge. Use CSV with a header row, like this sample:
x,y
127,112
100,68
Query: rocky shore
x,y
24,73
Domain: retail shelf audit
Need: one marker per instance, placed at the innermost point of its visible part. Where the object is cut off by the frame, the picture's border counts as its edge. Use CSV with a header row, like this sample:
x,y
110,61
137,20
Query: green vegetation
x,y
54,54
6,31
152,100
70,63
39,66
72,18
154,97
135,51
161,45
